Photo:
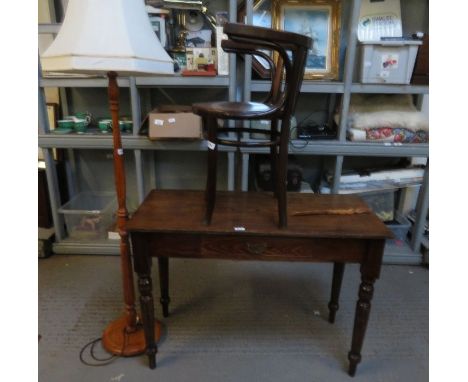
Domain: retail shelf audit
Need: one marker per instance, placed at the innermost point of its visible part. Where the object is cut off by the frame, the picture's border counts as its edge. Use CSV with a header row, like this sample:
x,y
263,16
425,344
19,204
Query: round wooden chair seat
x,y
234,110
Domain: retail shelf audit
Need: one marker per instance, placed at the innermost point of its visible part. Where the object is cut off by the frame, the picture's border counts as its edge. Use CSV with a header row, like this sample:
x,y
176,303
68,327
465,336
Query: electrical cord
x,y
100,361
103,362
297,147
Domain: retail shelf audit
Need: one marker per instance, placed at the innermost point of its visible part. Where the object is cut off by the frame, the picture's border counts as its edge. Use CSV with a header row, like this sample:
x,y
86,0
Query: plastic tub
x,y
387,62
89,215
399,226
381,202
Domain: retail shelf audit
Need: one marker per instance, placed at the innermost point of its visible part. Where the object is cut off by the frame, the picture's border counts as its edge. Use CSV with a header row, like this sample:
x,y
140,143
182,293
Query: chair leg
x,y
212,158
282,173
274,156
163,263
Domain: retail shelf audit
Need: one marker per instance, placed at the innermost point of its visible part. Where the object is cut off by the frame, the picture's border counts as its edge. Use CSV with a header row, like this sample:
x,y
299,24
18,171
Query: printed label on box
x,y
390,61
159,122
171,120
211,145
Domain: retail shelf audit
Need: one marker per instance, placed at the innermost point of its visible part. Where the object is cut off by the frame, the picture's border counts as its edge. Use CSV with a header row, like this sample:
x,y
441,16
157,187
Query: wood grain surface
x,y
252,213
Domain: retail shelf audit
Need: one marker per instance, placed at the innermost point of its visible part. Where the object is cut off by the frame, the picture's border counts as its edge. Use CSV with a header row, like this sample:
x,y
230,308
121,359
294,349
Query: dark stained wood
x,y
370,271
279,105
250,247
169,224
421,66
212,159
333,305
183,210
163,263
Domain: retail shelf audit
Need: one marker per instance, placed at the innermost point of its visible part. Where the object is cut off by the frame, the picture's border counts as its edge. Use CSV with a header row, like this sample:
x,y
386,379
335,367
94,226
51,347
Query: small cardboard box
x,y
174,121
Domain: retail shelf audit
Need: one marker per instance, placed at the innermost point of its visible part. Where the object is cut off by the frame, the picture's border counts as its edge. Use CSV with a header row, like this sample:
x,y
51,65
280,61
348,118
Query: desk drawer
x,y
274,248
245,247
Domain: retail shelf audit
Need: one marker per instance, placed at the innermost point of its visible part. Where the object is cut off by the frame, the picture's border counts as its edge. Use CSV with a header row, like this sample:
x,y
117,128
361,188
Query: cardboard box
x,y
174,121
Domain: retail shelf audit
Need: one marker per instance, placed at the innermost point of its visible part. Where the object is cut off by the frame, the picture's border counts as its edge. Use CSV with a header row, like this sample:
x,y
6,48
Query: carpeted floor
x,y
236,321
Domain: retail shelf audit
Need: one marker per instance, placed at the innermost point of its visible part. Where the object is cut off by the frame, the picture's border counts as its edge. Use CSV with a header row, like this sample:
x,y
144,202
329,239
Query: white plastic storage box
x,y
89,215
387,62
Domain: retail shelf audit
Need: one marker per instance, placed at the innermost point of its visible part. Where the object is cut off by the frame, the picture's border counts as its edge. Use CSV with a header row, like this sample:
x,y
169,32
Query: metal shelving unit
x,y
338,148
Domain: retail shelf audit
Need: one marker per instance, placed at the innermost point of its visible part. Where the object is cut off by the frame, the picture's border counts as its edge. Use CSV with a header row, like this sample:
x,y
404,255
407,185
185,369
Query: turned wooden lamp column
x,y
124,335
112,37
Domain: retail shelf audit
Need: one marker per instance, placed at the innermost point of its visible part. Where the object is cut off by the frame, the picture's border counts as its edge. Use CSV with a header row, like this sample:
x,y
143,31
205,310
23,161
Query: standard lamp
x,y
112,37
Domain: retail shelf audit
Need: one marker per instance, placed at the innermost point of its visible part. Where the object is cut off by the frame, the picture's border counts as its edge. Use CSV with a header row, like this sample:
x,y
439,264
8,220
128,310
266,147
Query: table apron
x,y
247,247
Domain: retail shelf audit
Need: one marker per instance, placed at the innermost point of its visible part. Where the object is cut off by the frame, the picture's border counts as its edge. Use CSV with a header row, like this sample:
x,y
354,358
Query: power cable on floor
x,y
99,361
102,361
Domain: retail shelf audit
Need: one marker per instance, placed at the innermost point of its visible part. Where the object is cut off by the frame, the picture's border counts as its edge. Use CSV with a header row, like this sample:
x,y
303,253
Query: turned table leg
x,y
142,263
370,270
163,263
338,270
145,287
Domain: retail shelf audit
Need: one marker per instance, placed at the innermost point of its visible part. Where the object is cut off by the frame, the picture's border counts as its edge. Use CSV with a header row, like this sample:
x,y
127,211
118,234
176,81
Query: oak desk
x,y
244,227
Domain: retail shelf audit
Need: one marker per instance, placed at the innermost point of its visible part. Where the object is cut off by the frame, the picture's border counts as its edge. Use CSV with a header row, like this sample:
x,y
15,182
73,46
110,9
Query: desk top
x,y
256,213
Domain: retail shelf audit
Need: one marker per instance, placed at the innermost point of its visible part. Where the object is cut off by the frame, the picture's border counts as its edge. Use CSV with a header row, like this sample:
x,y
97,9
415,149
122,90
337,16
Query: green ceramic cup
x,y
80,125
104,125
65,124
125,126
85,116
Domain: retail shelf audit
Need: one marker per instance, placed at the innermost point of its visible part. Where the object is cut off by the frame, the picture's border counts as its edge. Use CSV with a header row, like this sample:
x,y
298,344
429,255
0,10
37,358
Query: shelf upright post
x,y
232,96
70,164
51,171
247,96
136,118
347,84
422,207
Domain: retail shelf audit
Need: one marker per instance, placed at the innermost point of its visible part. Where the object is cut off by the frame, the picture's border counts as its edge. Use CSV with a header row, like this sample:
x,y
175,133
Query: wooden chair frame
x,y
279,104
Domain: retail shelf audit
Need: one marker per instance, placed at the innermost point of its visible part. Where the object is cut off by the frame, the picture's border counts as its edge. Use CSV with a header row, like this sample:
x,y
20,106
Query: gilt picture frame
x,y
320,20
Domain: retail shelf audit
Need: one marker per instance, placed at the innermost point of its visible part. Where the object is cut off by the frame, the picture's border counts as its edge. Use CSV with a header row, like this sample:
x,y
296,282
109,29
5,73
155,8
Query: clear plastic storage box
x,y
382,202
89,215
387,62
399,226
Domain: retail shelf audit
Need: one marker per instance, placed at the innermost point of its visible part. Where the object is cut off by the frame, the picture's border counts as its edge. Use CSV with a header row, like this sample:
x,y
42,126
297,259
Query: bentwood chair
x,y
290,53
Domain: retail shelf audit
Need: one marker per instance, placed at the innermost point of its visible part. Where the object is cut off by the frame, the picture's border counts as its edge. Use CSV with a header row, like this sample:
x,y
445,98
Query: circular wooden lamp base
x,y
116,340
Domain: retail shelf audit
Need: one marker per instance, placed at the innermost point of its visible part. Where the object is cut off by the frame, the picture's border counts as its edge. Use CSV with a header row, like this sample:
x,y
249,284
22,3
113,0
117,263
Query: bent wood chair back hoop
x,y
279,104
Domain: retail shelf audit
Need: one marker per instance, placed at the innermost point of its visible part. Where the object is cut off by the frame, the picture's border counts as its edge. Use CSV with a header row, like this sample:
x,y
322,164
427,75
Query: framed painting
x,y
320,20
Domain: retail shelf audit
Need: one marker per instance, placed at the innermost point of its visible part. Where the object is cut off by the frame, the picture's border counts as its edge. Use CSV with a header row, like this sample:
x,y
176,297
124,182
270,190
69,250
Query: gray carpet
x,y
236,321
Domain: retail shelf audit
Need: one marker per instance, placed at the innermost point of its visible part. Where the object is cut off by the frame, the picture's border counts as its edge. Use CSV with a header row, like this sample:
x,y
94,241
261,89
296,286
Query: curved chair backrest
x,y
248,39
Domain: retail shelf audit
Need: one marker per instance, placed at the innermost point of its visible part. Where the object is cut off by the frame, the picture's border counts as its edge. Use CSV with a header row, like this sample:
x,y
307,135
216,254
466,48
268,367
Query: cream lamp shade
x,y
100,36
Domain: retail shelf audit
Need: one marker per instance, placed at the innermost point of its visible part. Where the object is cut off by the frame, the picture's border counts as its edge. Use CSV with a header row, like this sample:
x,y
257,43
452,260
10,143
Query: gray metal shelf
x,y
103,247
338,87
335,147
163,81
129,142
389,88
181,81
223,81
307,86
80,82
